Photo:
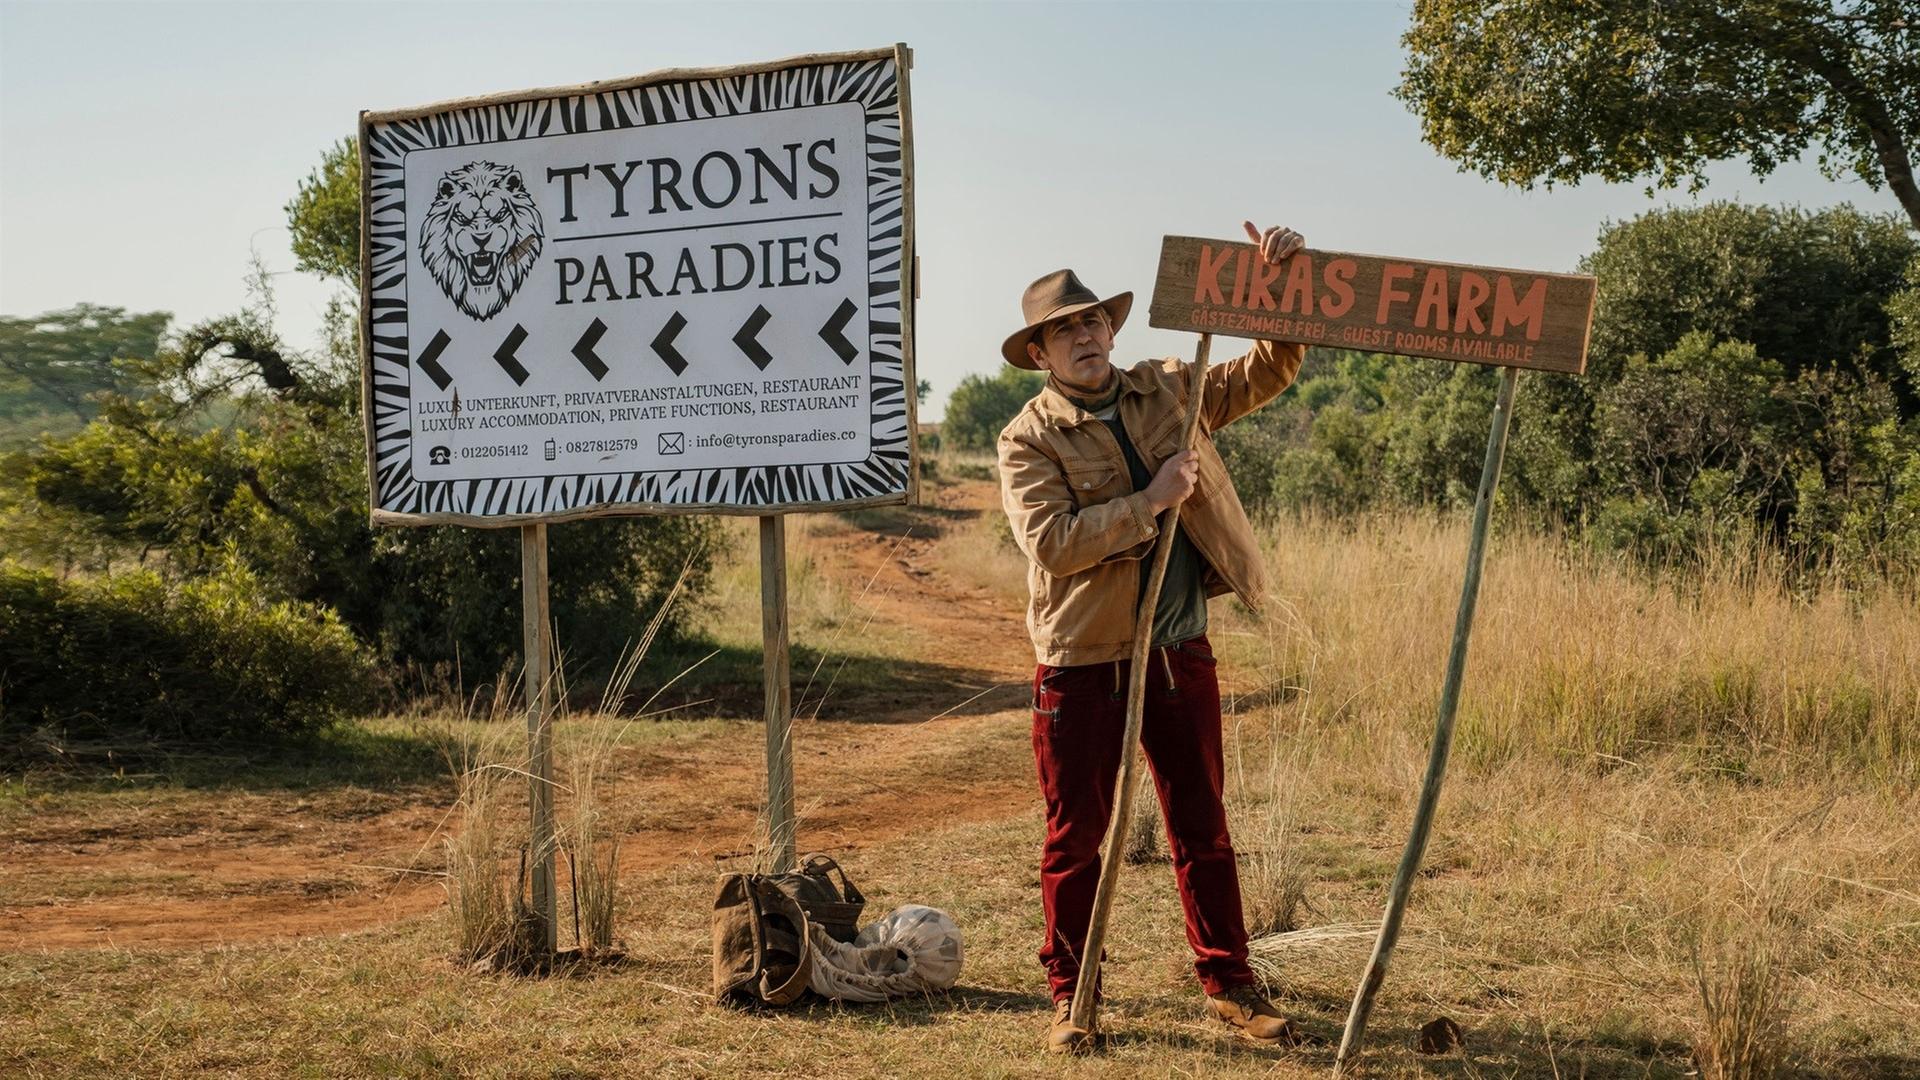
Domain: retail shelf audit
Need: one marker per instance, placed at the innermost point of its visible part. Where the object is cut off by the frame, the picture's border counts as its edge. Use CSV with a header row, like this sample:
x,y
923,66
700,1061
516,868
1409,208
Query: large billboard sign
x,y
1373,303
686,292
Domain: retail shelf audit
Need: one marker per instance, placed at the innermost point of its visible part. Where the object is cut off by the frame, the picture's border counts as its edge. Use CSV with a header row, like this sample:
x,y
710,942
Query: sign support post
x,y
1442,735
779,685
1084,991
537,649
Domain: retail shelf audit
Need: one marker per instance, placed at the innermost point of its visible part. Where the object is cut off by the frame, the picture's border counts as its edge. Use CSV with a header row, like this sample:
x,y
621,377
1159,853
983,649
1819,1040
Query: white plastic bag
x,y
912,950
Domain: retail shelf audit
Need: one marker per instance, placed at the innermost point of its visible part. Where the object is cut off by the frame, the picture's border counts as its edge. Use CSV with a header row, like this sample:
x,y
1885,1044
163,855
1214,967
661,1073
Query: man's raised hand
x,y
1276,243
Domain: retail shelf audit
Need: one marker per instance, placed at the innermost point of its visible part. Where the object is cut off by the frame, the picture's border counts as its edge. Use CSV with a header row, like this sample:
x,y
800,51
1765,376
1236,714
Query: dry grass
x,y
486,850
589,836
1679,837
1744,1002
981,553
818,603
1579,657
1637,742
1144,831
593,848
1273,872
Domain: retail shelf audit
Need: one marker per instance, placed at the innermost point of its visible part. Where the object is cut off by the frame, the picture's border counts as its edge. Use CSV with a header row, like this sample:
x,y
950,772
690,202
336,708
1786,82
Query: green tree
x,y
1806,290
1904,311
324,216
239,450
1528,91
981,405
60,362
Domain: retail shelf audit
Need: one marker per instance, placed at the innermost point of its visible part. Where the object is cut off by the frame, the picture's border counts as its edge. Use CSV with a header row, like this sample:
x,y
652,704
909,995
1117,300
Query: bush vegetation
x,y
982,404
220,446
136,657
1754,375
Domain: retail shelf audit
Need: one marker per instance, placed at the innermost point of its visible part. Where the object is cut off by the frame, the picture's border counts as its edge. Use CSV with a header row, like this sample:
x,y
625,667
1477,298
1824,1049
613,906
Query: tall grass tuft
x,y
495,928
1262,806
1143,832
591,839
1741,962
594,855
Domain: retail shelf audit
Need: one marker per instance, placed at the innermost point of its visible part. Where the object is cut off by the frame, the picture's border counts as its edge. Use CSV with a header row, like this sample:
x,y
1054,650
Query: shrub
x,y
1754,376
137,657
278,482
981,405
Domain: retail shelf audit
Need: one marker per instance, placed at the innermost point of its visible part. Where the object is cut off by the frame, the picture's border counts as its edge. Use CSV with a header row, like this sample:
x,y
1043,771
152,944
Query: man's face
x,y
1075,349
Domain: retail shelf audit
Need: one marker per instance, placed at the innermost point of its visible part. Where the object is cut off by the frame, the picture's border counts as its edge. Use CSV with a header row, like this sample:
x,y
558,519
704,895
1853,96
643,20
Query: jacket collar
x,y
1056,410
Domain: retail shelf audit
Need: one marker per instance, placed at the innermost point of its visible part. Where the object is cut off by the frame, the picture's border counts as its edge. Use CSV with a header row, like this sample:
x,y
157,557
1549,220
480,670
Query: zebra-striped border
x,y
877,80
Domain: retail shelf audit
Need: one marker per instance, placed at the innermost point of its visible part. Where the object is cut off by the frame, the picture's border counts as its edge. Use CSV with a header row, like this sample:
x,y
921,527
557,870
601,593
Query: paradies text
x,y
630,193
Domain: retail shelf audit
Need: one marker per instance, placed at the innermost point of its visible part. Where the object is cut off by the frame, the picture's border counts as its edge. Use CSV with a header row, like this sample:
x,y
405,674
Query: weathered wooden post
x,y
1442,734
536,637
1084,1004
781,855
533,351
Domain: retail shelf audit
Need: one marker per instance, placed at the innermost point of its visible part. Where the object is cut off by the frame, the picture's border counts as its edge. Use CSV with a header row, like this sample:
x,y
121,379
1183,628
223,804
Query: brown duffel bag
x,y
762,948
762,925
836,908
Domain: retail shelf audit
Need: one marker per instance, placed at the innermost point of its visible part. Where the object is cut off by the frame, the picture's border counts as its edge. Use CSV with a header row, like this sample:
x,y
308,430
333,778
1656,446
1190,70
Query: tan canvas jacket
x,y
1085,531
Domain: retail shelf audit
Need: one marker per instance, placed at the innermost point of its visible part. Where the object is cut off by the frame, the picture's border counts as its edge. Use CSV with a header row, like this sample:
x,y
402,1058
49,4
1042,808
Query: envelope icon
x,y
673,442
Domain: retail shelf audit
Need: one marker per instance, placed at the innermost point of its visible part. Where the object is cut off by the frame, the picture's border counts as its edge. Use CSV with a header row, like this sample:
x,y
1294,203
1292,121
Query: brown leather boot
x,y
1063,1037
1251,1016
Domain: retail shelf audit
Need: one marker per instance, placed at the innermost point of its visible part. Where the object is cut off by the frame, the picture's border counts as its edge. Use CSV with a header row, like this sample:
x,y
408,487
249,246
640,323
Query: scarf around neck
x,y
1096,403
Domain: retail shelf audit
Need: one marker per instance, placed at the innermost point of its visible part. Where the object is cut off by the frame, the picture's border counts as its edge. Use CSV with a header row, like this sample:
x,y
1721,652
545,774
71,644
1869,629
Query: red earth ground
x,y
254,865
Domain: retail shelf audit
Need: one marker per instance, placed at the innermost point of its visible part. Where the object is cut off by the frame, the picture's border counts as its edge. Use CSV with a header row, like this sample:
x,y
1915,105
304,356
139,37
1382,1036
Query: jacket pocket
x,y
1094,484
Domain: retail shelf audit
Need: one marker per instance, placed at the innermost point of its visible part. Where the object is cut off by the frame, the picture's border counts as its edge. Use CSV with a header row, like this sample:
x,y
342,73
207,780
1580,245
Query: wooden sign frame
x,y
876,79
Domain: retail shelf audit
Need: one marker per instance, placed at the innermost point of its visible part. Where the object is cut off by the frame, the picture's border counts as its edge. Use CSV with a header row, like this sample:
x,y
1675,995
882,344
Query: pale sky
x,y
146,148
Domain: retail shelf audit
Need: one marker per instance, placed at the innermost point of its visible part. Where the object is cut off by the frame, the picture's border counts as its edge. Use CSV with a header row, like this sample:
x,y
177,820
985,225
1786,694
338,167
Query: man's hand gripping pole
x,y
1084,1003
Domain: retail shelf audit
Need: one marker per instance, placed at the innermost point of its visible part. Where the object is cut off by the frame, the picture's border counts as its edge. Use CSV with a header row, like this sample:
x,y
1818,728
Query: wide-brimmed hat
x,y
1056,296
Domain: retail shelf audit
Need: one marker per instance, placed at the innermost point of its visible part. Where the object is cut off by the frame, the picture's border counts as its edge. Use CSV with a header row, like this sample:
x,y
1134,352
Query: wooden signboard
x,y
1448,311
682,292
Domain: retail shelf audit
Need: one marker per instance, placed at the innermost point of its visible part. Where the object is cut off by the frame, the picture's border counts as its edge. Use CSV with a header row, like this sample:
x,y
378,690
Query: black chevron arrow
x,y
748,331
583,350
663,343
505,358
429,361
834,332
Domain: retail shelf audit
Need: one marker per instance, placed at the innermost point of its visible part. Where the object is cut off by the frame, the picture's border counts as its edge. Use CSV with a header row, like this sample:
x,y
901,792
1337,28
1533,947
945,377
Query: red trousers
x,y
1079,719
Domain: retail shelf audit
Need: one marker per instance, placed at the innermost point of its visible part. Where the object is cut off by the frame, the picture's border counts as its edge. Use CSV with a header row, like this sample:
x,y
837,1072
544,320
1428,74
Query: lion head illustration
x,y
481,236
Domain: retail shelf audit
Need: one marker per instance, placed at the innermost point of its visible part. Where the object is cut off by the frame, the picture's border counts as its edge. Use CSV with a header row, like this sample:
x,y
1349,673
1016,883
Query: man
x,y
1086,469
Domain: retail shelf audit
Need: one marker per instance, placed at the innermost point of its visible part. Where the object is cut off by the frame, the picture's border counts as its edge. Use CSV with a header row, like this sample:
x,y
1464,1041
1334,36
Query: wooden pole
x,y
779,685
1084,1005
537,647
1442,735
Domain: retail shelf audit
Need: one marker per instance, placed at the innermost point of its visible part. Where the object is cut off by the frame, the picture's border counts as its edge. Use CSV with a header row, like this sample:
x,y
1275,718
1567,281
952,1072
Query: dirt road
x,y
195,868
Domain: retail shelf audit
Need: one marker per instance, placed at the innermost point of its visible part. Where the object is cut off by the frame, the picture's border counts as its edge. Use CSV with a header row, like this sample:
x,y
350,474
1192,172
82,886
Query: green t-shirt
x,y
1182,610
